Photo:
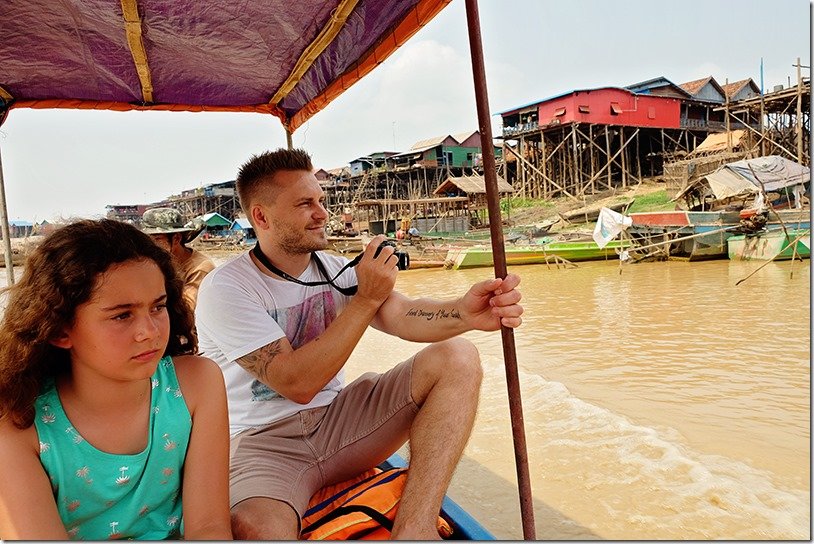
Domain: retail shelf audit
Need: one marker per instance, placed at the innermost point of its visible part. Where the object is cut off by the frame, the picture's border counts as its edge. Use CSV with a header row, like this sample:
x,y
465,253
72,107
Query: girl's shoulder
x,y
198,377
15,441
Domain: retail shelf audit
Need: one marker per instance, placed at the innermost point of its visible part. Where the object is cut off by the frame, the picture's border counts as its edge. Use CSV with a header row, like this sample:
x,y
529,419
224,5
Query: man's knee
x,y
264,519
455,360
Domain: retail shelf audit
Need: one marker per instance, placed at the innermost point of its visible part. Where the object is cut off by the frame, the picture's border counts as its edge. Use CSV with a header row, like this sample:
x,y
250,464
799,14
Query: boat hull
x,y
572,251
464,526
772,245
651,227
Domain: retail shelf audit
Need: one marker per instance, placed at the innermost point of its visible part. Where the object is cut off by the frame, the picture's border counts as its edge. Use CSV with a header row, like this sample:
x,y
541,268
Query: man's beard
x,y
296,244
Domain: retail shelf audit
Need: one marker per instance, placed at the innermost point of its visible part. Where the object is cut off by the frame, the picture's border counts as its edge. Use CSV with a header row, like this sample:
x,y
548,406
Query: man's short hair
x,y
257,173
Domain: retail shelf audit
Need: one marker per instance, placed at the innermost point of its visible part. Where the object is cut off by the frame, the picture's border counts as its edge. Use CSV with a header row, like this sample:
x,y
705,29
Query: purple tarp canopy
x,y
285,57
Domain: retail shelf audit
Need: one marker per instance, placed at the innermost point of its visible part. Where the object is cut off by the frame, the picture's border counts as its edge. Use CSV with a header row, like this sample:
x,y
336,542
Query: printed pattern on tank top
x,y
105,496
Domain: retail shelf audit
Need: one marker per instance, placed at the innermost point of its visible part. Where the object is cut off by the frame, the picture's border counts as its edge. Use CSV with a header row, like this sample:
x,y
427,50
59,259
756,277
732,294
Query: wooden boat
x,y
704,234
582,250
772,245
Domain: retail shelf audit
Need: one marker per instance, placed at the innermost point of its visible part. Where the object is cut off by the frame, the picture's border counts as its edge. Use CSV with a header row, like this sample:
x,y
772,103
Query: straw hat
x,y
169,221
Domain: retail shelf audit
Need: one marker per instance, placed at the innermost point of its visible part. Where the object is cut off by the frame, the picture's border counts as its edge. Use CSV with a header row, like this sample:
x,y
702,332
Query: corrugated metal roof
x,y
407,202
524,106
215,219
463,136
241,222
733,89
644,87
695,85
472,185
429,143
423,145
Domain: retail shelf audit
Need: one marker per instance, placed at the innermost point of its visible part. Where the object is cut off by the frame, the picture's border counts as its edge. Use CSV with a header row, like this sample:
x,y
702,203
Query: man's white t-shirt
x,y
240,310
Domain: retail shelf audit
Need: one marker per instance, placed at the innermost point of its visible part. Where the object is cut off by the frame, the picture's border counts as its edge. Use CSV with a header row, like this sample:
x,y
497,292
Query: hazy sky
x,y
73,163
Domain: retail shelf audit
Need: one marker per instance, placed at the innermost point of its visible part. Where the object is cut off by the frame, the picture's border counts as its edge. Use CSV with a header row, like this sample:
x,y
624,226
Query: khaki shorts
x,y
293,458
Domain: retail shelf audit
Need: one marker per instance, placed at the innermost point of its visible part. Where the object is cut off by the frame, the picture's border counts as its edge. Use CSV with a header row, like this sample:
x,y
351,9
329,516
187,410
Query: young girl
x,y
109,427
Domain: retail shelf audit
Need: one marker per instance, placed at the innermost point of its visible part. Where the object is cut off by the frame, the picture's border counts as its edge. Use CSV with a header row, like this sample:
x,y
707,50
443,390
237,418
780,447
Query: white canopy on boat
x,y
751,176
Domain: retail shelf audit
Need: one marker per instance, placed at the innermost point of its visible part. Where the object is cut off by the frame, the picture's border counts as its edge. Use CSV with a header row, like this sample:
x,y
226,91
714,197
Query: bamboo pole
x,y
762,114
499,255
4,227
624,154
543,164
784,248
591,153
607,154
726,116
799,114
525,163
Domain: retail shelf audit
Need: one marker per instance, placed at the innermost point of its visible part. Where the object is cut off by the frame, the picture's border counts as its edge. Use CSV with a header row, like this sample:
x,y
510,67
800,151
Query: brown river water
x,y
662,402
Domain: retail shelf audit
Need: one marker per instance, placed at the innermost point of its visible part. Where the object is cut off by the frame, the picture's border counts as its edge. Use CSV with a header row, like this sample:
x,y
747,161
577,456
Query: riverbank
x,y
649,196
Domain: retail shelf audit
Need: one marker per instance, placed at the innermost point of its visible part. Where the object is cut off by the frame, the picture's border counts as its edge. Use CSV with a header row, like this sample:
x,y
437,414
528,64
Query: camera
x,y
402,256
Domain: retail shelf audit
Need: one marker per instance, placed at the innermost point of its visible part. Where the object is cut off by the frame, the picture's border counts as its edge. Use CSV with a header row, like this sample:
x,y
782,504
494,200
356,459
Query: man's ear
x,y
259,216
62,341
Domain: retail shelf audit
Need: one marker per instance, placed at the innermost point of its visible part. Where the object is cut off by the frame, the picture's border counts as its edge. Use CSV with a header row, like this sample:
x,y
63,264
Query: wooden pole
x,y
4,228
289,139
726,109
607,154
762,114
543,163
575,159
499,255
799,116
623,157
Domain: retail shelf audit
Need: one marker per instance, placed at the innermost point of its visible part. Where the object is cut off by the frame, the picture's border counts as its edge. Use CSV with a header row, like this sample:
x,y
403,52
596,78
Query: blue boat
x,y
464,526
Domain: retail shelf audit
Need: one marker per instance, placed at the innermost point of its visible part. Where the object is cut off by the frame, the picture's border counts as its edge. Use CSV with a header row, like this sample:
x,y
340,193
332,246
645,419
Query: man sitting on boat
x,y
167,228
282,320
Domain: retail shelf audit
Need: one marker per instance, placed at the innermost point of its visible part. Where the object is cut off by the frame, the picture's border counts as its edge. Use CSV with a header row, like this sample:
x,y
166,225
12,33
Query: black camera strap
x,y
347,291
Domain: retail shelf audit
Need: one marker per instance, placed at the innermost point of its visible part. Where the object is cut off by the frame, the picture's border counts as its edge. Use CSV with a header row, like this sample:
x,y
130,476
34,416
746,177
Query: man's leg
x,y
446,380
264,519
273,473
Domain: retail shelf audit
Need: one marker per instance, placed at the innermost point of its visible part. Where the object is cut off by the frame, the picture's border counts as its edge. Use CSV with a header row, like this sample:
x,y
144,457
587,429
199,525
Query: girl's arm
x,y
27,507
205,493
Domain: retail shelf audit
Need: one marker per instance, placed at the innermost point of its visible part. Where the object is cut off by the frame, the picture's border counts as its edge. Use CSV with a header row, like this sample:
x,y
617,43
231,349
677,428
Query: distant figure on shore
x,y
110,426
166,227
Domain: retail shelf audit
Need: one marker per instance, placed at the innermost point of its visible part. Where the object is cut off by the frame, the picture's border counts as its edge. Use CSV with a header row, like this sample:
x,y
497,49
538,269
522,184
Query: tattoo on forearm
x,y
436,315
257,361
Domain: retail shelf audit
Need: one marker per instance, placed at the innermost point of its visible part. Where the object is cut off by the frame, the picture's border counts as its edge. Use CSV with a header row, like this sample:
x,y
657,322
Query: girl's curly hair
x,y
59,275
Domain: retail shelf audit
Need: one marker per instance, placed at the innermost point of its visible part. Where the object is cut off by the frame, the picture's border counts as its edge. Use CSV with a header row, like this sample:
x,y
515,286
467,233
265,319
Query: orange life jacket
x,y
359,509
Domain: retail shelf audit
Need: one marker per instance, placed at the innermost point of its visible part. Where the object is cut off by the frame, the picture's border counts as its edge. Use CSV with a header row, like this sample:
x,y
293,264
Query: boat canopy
x,y
749,176
287,58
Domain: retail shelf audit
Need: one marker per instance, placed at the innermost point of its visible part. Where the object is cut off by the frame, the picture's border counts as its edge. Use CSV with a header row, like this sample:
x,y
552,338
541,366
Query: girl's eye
x,y
122,316
160,307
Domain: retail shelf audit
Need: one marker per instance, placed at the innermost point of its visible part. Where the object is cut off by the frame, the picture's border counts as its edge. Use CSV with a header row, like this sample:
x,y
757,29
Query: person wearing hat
x,y
167,228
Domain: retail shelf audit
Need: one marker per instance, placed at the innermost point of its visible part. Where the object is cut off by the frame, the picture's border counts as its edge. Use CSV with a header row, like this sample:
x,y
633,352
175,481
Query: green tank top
x,y
101,495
